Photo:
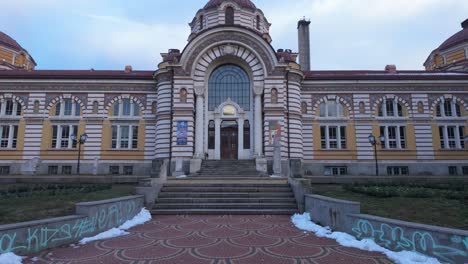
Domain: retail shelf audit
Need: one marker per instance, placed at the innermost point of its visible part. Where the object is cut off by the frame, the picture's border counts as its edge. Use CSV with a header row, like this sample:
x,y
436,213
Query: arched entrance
x,y
228,110
229,140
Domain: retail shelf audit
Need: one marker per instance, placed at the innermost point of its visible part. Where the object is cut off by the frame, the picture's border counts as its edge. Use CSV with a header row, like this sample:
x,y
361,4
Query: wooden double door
x,y
229,140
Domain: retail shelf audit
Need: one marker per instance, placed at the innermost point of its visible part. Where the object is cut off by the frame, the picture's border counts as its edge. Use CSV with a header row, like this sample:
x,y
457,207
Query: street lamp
x,y
80,142
373,141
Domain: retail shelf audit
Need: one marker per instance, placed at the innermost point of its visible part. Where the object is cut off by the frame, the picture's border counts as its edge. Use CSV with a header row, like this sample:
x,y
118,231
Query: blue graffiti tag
x,y
394,237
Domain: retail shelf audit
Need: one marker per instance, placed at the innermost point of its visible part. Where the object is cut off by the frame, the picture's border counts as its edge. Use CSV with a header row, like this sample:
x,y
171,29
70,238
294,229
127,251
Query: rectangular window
x,y
397,171
390,108
392,138
66,170
343,137
116,109
124,136
126,106
395,137
465,170
441,137
9,107
8,136
128,170
453,170
5,135
67,107
448,108
211,135
333,137
452,137
77,109
336,171
135,137
452,143
114,170
461,133
114,136
61,136
4,170
53,170
58,108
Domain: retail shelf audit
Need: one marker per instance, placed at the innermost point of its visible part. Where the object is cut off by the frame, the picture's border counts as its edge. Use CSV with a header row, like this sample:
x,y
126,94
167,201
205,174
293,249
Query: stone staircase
x,y
223,188
228,168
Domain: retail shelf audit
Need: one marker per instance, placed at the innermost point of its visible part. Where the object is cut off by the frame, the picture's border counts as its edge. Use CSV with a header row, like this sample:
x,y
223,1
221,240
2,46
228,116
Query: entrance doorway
x,y
229,140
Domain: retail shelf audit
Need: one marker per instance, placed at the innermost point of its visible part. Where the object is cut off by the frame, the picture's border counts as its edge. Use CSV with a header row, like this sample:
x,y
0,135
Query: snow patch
x,y
10,258
141,218
304,222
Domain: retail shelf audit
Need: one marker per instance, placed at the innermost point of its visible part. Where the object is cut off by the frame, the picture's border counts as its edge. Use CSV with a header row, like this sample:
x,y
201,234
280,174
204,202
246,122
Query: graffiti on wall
x,y
396,238
37,238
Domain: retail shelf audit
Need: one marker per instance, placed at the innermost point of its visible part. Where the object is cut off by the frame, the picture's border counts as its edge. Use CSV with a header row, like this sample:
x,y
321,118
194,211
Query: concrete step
x,y
227,180
226,195
224,189
225,206
224,211
226,200
215,184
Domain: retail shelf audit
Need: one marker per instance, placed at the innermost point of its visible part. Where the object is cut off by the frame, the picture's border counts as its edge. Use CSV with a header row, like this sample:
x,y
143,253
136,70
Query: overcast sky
x,y
345,34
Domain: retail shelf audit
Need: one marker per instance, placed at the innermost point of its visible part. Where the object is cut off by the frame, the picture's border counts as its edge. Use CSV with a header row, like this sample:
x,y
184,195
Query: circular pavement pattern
x,y
212,240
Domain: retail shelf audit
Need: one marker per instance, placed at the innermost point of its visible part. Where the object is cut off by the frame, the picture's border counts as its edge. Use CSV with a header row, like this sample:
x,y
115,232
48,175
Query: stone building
x,y
229,95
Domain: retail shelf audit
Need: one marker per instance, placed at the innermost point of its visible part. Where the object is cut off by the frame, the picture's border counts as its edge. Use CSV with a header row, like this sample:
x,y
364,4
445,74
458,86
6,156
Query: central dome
x,y
242,3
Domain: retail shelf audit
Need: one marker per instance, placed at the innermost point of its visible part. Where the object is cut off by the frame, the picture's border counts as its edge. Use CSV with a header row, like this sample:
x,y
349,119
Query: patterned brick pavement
x,y
213,239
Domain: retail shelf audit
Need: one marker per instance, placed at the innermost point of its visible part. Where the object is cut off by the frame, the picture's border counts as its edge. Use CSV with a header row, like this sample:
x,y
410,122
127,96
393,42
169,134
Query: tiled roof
x,y
9,42
242,3
76,74
383,75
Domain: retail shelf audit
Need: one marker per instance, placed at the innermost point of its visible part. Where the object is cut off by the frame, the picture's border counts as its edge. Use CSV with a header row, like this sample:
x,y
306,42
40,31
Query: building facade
x,y
230,95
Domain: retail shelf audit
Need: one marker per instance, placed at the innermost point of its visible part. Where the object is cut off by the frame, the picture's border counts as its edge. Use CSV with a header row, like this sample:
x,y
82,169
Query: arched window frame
x,y
126,108
391,107
229,15
448,108
220,90
67,107
329,107
9,107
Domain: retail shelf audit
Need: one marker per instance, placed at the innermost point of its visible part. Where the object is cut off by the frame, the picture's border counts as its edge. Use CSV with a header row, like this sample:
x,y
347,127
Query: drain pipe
x,y
287,116
172,121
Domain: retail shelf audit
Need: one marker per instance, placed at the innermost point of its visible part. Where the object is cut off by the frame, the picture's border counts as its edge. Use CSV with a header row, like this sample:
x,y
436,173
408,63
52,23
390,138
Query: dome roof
x,y
242,3
459,37
456,39
6,40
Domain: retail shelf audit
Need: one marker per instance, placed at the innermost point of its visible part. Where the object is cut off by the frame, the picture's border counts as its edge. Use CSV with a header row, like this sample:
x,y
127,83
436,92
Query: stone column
x,y
199,152
217,138
240,135
258,134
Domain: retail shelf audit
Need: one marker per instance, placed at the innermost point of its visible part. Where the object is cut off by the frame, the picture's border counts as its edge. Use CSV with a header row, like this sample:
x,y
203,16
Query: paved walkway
x,y
213,239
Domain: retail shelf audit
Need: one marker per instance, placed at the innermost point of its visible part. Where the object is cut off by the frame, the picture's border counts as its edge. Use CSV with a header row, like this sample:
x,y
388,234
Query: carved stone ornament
x,y
199,90
228,50
258,90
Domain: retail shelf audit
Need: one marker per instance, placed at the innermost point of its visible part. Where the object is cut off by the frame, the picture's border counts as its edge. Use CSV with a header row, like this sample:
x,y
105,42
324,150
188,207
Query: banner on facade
x,y
182,127
274,132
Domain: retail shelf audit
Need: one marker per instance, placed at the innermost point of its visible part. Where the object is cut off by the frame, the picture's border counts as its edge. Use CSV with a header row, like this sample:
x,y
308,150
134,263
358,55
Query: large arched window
x,y
229,81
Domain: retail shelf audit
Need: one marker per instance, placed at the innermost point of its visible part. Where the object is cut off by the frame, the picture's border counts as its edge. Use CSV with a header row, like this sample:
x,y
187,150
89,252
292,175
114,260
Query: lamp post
x,y
80,142
373,141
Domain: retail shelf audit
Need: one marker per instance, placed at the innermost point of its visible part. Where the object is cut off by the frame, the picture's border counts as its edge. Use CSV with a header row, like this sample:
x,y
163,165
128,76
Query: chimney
x,y
465,24
128,69
391,68
304,44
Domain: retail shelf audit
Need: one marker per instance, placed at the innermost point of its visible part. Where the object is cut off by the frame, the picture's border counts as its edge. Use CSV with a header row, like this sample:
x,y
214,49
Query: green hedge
x,y
454,191
50,189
